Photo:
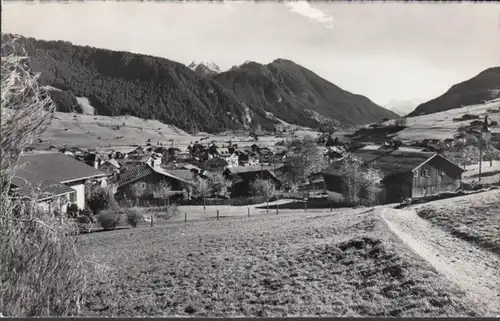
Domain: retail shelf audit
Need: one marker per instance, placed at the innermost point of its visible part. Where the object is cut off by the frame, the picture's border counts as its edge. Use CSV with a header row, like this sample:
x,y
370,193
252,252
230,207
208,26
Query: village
x,y
318,172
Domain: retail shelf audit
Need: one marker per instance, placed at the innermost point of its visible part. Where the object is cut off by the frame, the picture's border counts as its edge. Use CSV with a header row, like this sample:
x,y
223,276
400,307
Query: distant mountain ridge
x,y
483,87
401,107
121,83
298,95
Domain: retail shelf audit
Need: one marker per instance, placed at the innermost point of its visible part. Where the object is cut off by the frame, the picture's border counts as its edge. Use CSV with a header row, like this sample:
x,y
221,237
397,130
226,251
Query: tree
x,y
305,158
264,188
469,155
201,189
218,184
162,189
359,180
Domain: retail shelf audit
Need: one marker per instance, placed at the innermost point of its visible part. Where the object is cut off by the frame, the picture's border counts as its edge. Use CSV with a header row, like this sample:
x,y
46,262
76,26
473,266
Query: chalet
x,y
315,184
406,174
143,182
216,165
58,179
242,177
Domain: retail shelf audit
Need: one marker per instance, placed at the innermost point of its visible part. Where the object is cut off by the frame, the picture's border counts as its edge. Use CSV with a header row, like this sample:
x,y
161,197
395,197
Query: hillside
x,y
483,87
121,83
297,95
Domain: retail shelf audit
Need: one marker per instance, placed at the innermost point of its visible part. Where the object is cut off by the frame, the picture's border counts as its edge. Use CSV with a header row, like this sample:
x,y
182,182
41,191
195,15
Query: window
x,y
72,197
143,185
415,174
441,172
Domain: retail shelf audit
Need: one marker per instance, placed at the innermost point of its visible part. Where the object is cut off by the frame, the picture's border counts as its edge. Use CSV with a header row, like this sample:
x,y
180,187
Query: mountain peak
x,y
205,67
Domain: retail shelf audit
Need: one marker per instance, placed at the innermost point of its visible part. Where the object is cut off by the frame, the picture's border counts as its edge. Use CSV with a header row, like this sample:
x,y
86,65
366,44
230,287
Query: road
x,y
475,271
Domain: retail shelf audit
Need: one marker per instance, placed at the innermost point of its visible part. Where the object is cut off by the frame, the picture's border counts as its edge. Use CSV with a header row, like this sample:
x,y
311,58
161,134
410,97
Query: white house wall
x,y
80,194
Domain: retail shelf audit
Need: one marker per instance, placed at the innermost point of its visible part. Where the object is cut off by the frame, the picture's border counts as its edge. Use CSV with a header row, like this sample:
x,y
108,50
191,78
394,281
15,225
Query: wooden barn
x,y
142,181
242,178
407,173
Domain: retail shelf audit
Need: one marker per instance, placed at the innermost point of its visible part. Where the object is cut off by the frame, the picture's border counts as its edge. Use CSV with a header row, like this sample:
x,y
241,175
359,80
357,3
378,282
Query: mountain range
x,y
195,97
401,107
483,87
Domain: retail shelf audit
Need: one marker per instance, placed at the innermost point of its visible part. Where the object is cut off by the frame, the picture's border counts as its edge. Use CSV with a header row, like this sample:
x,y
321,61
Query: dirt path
x,y
474,270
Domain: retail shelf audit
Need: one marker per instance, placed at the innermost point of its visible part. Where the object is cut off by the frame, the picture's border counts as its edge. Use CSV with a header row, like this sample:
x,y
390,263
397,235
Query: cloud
x,y
304,9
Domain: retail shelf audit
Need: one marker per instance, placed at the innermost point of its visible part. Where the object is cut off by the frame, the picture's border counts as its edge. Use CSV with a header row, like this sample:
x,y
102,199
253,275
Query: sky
x,y
387,51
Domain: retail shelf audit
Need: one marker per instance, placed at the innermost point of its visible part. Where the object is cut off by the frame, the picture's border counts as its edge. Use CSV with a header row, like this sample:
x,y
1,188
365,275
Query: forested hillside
x,y
122,83
298,95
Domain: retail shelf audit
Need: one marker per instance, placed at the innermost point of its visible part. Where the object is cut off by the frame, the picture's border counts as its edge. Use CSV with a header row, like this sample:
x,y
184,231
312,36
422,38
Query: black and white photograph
x,y
250,159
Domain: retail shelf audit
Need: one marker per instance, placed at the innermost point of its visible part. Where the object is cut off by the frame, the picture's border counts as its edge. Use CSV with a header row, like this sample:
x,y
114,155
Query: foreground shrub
x,y
41,273
100,198
133,217
108,220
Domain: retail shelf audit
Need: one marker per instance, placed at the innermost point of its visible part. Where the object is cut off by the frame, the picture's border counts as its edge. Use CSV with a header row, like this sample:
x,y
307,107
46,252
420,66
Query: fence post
x,y
305,205
248,209
217,215
185,217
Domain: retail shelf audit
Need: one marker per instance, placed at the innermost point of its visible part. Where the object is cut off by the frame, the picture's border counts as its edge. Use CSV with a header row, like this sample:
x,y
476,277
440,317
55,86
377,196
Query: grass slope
x,y
474,218
344,263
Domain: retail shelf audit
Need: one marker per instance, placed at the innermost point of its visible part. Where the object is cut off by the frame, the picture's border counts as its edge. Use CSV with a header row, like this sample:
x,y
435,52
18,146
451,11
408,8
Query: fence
x,y
194,202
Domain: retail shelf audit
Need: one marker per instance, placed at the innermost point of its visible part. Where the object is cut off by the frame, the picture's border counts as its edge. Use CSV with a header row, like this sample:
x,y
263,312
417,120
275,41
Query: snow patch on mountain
x,y
86,106
205,67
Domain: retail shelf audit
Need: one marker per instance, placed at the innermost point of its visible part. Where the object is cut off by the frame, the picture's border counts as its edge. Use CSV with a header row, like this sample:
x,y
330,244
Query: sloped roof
x,y
134,174
143,170
39,168
390,162
43,190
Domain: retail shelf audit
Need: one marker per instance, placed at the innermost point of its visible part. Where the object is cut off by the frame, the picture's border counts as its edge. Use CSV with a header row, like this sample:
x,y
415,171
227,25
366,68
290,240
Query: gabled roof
x,y
393,162
136,173
390,162
41,168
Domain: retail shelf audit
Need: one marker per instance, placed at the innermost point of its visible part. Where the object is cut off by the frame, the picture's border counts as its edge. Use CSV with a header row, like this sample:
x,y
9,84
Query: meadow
x,y
319,263
474,218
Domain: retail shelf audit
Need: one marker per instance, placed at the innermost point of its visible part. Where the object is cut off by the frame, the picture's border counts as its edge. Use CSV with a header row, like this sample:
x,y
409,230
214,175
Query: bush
x,y
133,217
108,220
72,210
100,199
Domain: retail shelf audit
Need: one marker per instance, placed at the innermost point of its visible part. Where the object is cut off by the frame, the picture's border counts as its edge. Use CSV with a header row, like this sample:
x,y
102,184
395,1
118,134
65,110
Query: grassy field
x,y
441,125
474,218
119,133
489,174
319,263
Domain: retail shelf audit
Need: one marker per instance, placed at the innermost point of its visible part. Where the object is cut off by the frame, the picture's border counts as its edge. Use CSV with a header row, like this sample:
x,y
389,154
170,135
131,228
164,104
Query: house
x,y
59,179
233,160
143,182
406,174
242,177
110,166
216,165
315,184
